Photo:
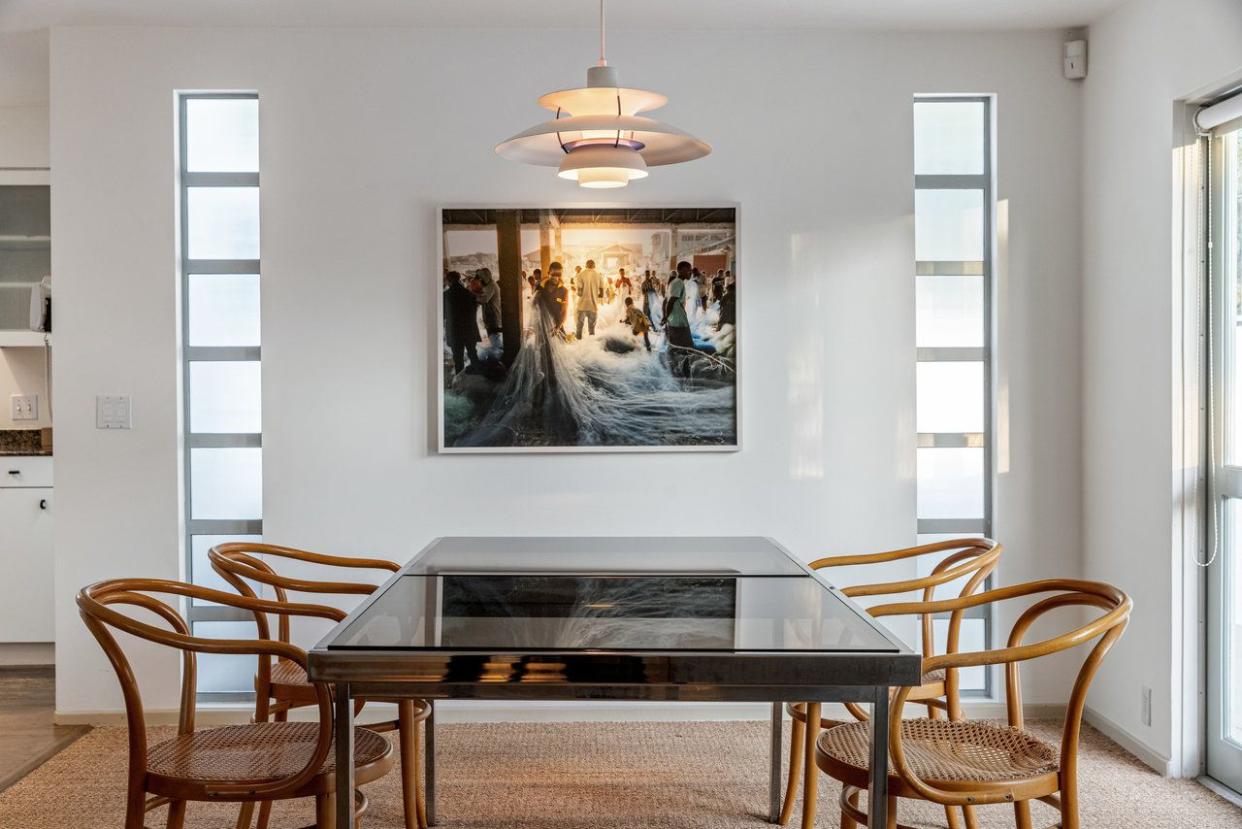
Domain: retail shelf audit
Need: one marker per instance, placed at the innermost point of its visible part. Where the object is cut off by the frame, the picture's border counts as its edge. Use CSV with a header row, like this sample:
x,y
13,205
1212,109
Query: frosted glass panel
x,y
1233,392
971,637
224,309
949,397
950,483
948,311
223,222
948,138
225,397
1231,621
948,225
221,673
222,135
226,483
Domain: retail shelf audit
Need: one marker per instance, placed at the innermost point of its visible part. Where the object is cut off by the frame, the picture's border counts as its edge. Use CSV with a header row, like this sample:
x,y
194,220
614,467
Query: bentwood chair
x,y
963,763
247,764
971,559
281,685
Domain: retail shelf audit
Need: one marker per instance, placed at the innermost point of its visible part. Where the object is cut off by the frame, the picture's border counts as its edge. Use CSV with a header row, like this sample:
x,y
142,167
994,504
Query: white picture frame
x,y
438,346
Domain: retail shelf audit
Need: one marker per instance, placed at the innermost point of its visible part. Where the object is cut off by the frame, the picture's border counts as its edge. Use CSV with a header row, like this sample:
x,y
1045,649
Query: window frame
x,y
191,354
985,182
1219,220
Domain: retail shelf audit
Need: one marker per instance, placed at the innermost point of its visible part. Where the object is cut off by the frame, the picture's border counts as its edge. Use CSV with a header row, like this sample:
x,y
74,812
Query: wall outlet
x,y
24,406
1145,711
112,411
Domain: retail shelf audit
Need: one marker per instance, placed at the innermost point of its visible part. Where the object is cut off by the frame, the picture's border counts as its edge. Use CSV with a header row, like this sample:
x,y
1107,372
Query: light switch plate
x,y
112,411
24,406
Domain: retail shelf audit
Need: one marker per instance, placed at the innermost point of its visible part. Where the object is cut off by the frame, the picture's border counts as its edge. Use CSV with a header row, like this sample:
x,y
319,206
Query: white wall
x,y
1142,58
365,131
23,136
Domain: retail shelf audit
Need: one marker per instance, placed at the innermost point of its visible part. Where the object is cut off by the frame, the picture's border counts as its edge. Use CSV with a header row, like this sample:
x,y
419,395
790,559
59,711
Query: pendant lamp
x,y
598,137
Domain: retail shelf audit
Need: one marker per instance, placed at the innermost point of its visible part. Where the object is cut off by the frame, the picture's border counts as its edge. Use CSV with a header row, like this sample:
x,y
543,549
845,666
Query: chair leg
x,y
795,771
176,814
135,806
1022,814
850,797
1069,808
972,822
265,815
810,787
325,811
415,812
244,815
892,812
951,816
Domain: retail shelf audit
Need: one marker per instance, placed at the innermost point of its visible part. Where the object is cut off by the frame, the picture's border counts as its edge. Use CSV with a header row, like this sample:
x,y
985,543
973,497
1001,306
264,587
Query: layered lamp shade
x,y
598,138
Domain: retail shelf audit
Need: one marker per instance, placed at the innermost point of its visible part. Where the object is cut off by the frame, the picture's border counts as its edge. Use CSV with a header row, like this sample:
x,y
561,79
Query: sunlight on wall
x,y
806,377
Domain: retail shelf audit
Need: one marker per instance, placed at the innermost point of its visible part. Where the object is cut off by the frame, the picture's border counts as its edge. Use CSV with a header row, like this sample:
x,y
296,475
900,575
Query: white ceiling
x,y
16,15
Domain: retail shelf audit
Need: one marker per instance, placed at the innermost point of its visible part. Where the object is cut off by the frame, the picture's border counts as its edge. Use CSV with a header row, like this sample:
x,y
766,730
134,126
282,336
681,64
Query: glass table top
x,y
605,611
606,556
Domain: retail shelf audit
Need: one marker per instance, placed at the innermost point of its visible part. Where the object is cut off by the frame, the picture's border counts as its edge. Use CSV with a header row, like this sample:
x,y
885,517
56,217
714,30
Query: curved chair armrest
x,y
95,604
1108,627
241,558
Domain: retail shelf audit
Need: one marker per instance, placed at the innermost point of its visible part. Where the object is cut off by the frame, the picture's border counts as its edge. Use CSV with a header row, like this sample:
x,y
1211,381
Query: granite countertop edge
x,y
22,442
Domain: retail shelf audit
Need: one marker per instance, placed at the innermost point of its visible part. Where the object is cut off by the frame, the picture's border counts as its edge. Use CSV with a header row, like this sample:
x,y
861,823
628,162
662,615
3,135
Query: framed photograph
x,y
588,329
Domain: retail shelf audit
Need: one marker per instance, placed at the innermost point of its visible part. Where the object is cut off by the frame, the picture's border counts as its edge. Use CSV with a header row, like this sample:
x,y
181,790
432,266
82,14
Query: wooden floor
x,y
27,735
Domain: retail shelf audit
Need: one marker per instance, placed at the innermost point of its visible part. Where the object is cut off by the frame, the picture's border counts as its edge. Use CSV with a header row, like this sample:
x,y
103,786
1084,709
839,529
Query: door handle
x,y
15,472
42,503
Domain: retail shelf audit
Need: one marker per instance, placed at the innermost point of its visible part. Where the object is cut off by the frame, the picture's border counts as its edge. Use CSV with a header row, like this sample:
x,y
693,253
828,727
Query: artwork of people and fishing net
x,y
589,329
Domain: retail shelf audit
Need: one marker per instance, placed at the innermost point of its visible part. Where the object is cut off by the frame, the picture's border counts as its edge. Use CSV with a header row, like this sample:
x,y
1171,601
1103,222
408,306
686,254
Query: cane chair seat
x,y
943,752
259,753
290,673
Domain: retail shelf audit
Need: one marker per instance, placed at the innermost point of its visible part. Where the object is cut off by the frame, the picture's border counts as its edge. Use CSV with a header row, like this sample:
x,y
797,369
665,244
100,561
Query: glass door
x,y
1224,653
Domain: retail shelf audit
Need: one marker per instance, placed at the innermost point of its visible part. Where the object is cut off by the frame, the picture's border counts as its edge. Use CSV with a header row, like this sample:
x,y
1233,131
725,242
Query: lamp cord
x,y
602,60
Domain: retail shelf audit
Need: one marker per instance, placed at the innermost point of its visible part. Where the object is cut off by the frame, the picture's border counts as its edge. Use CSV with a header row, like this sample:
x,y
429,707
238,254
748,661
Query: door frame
x,y
1220,762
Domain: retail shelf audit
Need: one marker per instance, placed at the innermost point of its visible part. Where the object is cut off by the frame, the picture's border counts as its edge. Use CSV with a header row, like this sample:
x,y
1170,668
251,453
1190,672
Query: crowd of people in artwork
x,y
571,306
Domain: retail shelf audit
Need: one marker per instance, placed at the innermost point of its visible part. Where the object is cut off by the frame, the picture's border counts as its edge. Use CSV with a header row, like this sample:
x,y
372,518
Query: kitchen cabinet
x,y
25,248
26,578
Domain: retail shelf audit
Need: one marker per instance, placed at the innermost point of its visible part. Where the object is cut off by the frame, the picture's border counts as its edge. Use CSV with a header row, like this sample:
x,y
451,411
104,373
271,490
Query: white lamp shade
x,y
544,144
602,101
602,166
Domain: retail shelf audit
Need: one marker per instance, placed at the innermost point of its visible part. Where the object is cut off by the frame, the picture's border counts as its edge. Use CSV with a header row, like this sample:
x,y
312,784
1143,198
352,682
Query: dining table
x,y
702,619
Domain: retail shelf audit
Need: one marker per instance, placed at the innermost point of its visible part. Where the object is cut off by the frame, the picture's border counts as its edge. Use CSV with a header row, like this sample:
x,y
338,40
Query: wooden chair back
x,y
98,606
1107,628
971,558
239,564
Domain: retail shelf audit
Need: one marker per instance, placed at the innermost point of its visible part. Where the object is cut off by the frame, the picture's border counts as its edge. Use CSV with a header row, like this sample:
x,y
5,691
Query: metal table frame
x,y
711,676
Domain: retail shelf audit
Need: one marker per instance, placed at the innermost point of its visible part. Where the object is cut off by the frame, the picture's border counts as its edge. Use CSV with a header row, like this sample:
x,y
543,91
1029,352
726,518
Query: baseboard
x,y
491,711
1131,743
25,654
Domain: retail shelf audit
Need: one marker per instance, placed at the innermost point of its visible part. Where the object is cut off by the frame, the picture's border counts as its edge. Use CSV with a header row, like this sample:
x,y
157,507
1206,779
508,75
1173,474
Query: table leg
x,y
877,795
429,790
810,779
774,779
344,758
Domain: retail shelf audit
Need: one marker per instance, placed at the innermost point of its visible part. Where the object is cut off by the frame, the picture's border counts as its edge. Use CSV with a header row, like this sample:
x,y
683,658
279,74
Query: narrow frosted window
x,y
222,369
953,233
